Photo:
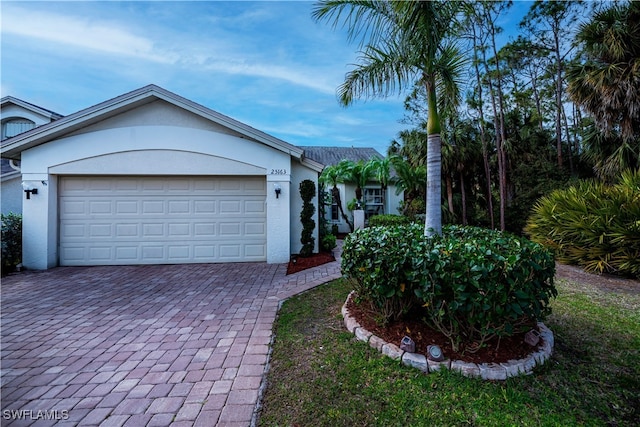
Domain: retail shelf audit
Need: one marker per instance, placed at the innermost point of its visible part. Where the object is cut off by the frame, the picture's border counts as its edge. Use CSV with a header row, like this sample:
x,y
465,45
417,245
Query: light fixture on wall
x,y
28,189
278,189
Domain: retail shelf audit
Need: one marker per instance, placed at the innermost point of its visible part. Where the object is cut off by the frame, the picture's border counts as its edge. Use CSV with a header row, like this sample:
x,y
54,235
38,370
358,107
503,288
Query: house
x,y
150,177
376,199
17,117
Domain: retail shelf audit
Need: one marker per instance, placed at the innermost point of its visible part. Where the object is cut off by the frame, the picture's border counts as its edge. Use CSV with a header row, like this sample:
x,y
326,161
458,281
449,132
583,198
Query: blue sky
x,y
265,63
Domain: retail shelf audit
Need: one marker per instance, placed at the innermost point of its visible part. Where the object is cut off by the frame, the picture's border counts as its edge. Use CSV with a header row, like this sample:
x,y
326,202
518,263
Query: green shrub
x,y
328,242
470,283
307,193
388,219
593,225
11,242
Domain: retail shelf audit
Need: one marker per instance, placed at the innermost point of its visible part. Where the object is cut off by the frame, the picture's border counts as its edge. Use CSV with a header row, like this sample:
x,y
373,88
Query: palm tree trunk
x,y
433,217
335,193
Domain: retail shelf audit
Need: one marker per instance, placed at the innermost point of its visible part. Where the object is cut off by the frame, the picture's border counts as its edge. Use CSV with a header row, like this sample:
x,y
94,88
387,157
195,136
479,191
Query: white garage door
x,y
161,220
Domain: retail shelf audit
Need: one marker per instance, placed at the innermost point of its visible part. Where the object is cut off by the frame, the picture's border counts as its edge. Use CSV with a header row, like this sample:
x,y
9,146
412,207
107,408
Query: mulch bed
x,y
299,263
508,348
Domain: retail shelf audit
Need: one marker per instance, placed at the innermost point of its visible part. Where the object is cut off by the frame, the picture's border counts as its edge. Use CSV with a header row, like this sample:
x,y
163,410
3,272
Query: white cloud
x,y
80,32
232,56
349,120
296,129
236,66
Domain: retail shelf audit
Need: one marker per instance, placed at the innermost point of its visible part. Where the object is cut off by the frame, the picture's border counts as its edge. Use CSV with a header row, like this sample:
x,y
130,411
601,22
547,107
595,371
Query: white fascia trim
x,y
31,107
10,175
312,164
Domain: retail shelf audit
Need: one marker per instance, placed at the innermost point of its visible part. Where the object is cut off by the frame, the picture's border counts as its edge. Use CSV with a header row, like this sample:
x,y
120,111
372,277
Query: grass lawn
x,y
320,375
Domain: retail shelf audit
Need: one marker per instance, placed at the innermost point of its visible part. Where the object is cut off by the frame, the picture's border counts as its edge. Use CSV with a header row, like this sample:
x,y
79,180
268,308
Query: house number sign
x,y
278,171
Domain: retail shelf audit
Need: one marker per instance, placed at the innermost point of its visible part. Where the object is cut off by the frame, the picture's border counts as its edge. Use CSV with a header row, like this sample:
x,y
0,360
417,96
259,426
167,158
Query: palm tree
x,y
607,85
357,173
409,179
407,43
381,171
332,175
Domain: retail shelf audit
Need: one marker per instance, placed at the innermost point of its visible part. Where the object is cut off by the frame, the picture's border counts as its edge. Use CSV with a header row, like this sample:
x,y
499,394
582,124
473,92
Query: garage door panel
x,y
228,229
100,253
97,231
204,229
203,253
148,220
204,207
152,207
153,230
123,207
127,252
255,251
254,229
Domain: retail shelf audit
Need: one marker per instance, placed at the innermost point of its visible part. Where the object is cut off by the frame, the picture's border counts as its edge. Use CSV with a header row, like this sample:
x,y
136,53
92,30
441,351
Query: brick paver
x,y
141,345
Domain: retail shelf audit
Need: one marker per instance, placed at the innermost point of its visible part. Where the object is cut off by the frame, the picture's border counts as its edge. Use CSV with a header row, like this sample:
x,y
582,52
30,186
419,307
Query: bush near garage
x,y
593,225
472,284
11,242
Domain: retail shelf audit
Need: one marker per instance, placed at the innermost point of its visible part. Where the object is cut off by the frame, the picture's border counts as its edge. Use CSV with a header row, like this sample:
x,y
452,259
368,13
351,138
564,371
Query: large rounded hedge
x,y
472,284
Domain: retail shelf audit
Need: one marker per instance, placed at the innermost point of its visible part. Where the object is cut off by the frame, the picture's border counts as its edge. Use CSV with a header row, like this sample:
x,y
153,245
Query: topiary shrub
x,y
591,224
307,192
11,242
472,284
388,219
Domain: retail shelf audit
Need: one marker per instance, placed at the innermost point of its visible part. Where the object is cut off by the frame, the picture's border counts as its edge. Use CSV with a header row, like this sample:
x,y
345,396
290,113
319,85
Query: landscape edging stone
x,y
486,371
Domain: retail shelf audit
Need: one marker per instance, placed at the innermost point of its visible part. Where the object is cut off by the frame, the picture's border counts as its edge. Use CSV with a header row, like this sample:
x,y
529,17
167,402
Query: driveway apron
x,y
160,345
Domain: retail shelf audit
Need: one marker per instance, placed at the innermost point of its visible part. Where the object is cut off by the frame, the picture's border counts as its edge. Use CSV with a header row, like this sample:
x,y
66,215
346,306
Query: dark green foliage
x,y
307,192
593,225
327,237
388,219
328,242
472,284
11,242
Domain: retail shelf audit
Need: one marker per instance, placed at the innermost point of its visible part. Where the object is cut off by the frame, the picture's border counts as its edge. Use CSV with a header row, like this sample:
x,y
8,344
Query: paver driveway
x,y
179,345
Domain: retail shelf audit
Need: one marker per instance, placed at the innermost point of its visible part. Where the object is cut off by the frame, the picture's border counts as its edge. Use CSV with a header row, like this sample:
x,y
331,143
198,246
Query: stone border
x,y
486,371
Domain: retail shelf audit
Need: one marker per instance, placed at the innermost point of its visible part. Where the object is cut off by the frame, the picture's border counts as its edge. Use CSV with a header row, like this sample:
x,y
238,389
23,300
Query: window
x,y
13,127
373,202
335,212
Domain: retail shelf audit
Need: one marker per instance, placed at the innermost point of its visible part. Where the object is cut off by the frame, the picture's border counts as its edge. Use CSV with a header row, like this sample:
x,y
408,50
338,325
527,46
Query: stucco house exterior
x,y
17,116
150,177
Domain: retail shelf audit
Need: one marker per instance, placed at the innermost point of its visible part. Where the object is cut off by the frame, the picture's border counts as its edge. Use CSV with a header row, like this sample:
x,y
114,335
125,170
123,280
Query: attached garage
x,y
150,177
161,220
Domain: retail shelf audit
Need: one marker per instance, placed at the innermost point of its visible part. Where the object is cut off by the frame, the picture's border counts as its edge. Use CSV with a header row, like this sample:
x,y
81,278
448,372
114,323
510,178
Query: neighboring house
x,y
17,117
150,177
376,201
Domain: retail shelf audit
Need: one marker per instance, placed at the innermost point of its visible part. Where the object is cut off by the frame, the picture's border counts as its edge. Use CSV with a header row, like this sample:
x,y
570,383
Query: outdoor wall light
x,y
278,189
29,190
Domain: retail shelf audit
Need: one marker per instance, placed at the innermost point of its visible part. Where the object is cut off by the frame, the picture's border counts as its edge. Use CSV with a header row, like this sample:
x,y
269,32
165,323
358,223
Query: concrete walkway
x,y
177,345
